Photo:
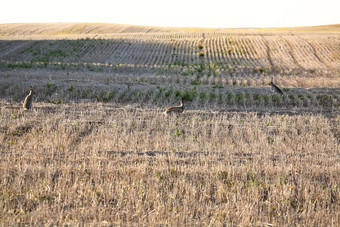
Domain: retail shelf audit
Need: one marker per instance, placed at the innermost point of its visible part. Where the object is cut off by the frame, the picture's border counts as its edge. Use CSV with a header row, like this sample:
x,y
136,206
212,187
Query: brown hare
x,y
28,100
175,109
275,88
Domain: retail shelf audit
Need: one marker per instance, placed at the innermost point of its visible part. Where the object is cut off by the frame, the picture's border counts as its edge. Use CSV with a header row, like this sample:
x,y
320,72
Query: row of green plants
x,y
214,69
54,94
163,94
198,70
55,65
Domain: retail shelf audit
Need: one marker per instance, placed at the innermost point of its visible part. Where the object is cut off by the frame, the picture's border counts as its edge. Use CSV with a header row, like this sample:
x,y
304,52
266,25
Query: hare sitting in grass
x,y
175,109
275,88
28,100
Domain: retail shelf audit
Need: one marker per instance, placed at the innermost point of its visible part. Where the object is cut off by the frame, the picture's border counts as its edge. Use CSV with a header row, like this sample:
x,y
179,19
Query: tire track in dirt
x,y
269,57
203,60
316,55
292,53
194,157
84,132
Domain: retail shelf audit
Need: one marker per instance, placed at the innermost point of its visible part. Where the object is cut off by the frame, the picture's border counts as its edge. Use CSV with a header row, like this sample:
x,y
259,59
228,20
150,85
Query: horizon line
x,y
157,26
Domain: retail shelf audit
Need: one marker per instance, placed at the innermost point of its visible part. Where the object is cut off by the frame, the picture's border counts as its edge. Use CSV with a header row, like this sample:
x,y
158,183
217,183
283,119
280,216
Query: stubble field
x,y
97,149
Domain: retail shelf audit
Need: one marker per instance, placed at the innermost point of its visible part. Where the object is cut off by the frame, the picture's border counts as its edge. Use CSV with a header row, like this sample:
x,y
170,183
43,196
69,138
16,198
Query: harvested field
x,y
97,149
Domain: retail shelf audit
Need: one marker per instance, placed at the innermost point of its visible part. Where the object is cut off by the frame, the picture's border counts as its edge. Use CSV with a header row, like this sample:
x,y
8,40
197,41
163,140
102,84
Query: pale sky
x,y
176,13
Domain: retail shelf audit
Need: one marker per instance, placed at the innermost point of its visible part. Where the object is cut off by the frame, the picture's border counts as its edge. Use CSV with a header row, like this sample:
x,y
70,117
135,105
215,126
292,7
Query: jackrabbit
x,y
275,88
175,109
28,100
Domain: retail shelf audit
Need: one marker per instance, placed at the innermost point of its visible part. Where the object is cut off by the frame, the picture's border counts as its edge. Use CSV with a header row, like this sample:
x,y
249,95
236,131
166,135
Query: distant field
x,y
104,28
96,147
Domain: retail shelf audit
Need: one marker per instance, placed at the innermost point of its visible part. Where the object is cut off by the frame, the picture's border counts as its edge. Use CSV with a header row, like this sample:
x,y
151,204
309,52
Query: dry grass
x,y
109,164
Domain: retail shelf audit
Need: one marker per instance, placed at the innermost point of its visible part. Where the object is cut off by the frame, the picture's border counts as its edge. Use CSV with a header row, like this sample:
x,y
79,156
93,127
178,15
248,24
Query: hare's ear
x,y
272,79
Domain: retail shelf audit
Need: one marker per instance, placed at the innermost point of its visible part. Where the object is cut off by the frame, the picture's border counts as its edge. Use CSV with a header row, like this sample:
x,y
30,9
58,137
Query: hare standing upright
x,y
275,88
28,100
175,109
